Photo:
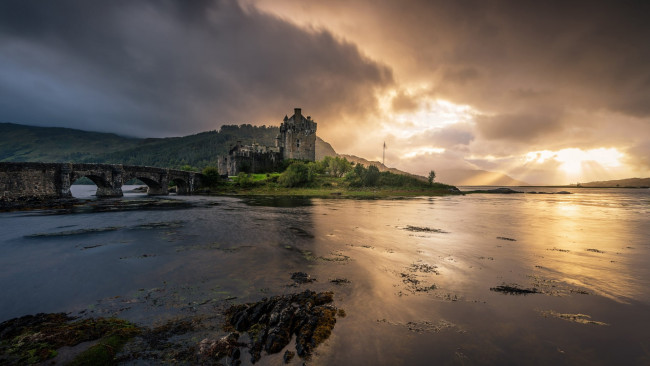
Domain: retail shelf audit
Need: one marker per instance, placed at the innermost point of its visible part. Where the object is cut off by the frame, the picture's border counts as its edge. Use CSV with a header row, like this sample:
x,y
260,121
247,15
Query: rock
x,y
301,277
501,190
288,356
140,189
271,323
340,281
226,346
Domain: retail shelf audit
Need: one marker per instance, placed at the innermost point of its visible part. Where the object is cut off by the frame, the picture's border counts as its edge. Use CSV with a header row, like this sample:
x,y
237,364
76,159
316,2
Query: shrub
x,y
211,176
244,180
296,174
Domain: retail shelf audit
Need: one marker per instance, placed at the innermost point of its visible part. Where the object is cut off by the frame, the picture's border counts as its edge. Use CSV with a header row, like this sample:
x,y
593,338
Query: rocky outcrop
x,y
271,323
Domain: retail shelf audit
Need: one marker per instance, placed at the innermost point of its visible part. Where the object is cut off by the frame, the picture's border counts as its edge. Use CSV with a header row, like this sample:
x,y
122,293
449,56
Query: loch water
x,y
422,280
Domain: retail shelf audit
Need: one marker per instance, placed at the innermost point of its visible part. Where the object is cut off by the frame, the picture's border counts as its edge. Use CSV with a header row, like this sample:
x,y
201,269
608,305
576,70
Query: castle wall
x,y
300,144
251,161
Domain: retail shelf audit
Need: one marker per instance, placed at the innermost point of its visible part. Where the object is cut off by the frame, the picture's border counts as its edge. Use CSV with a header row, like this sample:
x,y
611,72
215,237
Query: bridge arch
x,y
155,178
107,178
182,186
22,183
100,182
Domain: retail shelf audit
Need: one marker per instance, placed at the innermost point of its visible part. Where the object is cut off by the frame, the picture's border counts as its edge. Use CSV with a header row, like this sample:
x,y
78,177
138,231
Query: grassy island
x,y
330,177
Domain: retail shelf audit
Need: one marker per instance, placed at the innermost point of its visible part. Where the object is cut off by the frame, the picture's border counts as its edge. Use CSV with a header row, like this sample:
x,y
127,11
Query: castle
x,y
297,140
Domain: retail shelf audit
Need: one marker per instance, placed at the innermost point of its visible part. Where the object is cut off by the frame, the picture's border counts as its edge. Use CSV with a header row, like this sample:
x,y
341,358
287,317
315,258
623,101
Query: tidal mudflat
x,y
476,279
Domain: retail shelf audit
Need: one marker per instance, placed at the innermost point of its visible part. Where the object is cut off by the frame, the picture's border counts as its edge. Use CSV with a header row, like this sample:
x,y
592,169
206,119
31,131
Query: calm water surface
x,y
420,270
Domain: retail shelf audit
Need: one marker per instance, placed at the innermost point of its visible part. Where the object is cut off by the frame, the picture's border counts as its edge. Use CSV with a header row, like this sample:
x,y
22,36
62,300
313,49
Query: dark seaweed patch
x,y
504,238
595,251
424,229
514,289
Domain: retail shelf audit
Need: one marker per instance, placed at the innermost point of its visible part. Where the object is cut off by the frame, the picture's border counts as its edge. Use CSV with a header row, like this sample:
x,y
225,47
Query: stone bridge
x,y
22,181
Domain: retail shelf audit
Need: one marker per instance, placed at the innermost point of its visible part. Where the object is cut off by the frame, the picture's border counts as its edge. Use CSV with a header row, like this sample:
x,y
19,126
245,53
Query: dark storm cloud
x,y
516,57
155,68
509,57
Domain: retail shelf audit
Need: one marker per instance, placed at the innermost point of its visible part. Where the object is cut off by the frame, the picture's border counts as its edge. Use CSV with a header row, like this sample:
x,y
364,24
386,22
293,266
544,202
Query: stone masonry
x,y
49,181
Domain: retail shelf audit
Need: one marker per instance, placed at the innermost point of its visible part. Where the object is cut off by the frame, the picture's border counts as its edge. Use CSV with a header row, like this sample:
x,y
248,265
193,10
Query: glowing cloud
x,y
573,160
423,151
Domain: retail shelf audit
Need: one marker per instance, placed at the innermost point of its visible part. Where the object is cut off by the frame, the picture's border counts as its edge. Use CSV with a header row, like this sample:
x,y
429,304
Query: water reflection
x,y
414,276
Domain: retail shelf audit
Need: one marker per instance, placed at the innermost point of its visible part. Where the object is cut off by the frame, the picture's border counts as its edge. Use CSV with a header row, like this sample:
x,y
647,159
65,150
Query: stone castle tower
x,y
297,138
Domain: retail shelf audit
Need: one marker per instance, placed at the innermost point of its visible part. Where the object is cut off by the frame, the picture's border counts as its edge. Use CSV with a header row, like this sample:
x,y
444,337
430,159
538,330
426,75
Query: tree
x,y
355,176
337,166
432,176
371,177
210,176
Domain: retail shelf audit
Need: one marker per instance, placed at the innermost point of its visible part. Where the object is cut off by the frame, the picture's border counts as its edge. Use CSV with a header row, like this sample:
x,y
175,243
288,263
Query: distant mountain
x,y
323,149
468,177
630,182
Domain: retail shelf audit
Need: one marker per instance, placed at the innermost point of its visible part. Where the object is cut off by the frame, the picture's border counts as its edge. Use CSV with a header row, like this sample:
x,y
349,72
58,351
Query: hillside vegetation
x,y
58,145
54,144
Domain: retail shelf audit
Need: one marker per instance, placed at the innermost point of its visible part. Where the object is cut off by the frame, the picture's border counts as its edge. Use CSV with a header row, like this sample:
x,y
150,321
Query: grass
x,y
324,186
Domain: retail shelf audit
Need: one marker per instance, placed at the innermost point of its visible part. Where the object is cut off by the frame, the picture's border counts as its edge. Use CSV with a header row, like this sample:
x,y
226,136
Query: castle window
x,y
298,143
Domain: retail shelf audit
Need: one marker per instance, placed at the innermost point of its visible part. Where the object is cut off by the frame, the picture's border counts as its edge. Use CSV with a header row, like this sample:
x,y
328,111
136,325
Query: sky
x,y
548,92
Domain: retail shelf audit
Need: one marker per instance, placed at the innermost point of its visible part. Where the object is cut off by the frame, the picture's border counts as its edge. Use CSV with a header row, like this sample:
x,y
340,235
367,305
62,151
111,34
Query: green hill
x,y
198,150
46,144
55,144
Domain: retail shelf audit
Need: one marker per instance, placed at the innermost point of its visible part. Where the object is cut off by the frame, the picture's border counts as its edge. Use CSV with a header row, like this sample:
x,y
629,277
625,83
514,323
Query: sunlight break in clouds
x,y
574,161
424,114
407,116
423,151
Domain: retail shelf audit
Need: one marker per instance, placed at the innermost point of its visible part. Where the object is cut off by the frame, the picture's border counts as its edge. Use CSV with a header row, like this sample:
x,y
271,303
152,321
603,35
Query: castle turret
x,y
297,115
298,137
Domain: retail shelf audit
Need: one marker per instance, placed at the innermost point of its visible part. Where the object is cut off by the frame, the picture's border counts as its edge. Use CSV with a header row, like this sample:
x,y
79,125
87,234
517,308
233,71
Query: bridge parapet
x,y
30,180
